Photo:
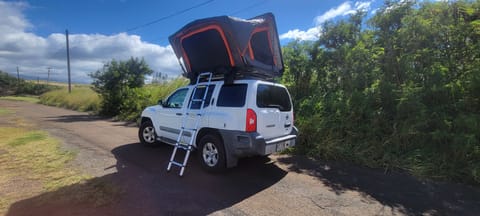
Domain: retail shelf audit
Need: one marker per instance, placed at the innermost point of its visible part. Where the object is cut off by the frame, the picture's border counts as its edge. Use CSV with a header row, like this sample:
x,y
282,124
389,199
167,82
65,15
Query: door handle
x,y
178,114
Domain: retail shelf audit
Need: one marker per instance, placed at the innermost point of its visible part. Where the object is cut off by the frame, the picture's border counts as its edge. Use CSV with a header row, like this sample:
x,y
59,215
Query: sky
x,y
32,32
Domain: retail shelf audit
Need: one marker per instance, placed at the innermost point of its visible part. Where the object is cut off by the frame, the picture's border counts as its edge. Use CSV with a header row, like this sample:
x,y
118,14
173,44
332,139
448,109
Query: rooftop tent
x,y
224,45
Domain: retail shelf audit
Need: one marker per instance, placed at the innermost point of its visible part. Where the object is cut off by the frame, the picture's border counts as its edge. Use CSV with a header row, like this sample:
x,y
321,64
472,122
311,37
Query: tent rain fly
x,y
230,46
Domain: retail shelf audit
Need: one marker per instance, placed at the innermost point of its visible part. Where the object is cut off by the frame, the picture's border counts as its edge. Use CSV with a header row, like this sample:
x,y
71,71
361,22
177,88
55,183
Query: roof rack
x,y
229,75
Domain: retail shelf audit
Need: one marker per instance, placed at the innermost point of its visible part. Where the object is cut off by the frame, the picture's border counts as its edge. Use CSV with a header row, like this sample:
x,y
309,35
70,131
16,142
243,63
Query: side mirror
x,y
160,102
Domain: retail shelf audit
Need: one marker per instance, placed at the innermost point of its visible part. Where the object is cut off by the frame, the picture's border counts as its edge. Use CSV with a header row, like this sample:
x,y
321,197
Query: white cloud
x,y
344,9
12,18
310,34
88,52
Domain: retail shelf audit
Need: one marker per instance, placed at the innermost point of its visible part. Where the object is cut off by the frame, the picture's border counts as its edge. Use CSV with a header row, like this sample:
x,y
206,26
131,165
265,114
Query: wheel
x,y
147,134
211,153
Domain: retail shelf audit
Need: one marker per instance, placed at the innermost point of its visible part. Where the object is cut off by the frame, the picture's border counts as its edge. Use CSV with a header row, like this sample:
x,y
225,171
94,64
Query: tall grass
x,y
82,98
31,98
139,98
161,91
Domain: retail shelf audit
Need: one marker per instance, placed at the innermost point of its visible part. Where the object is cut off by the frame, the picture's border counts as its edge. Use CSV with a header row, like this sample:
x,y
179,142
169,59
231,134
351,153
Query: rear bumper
x,y
241,144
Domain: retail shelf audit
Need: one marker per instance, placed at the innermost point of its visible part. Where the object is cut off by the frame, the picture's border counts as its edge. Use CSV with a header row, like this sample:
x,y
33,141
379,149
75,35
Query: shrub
x,y
138,98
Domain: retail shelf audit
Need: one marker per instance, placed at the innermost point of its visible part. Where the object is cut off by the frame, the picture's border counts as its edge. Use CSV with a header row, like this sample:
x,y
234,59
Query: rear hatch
x,y
274,110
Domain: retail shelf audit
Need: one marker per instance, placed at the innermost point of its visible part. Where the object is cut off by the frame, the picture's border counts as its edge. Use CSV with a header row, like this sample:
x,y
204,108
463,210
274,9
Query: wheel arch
x,y
204,131
231,159
144,119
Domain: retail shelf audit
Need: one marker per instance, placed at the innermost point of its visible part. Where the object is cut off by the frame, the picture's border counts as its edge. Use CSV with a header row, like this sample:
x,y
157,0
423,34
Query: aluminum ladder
x,y
197,118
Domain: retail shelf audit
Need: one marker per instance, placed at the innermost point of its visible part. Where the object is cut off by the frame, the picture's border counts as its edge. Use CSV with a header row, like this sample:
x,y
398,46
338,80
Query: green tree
x,y
115,81
402,91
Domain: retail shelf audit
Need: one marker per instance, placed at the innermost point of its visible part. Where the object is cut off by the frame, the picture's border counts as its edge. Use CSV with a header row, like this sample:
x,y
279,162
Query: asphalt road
x,y
278,185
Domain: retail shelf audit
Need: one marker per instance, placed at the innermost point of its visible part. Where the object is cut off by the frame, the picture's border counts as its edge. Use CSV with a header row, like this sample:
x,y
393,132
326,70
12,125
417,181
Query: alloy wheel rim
x,y
149,134
210,154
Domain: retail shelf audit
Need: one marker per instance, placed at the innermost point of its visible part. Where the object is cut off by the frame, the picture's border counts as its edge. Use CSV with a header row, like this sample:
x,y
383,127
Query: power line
x,y
170,16
231,14
152,22
248,7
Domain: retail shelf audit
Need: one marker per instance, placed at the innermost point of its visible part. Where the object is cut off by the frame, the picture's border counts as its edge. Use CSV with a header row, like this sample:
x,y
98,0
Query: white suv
x,y
245,118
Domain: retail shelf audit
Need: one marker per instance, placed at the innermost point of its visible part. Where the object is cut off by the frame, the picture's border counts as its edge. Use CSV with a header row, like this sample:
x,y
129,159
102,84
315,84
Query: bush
x,y
402,94
114,83
10,85
138,98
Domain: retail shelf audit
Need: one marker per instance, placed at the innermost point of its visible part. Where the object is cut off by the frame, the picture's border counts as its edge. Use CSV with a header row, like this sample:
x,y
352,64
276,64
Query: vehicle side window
x,y
232,95
176,99
270,96
199,95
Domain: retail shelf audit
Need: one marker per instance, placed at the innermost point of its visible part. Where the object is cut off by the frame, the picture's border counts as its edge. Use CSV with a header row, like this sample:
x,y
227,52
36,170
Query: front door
x,y
170,117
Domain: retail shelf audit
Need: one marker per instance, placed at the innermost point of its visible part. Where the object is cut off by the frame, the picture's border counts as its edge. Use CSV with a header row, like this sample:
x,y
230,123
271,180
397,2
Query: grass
x,y
5,111
148,95
31,99
161,91
31,136
82,98
32,164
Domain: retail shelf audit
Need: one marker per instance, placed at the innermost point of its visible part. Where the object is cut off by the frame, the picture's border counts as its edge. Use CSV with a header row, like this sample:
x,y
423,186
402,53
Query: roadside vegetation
x,y
137,99
82,98
26,173
10,85
122,89
31,99
400,90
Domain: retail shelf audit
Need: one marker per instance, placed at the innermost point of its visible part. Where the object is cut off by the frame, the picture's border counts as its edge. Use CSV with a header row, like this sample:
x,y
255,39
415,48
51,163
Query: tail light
x,y
251,121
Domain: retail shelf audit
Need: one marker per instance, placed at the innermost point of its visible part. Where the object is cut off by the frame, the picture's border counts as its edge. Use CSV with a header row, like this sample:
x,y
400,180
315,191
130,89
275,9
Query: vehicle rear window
x,y
232,95
270,96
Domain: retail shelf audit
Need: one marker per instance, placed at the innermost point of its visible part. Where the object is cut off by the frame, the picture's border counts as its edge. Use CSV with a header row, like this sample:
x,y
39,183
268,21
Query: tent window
x,y
261,47
206,49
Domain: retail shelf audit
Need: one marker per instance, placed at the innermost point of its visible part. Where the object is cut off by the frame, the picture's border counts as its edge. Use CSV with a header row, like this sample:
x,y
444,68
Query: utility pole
x,y
18,75
68,63
48,74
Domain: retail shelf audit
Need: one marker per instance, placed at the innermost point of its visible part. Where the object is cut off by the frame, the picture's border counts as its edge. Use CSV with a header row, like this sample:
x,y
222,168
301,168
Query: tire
x,y
211,154
147,134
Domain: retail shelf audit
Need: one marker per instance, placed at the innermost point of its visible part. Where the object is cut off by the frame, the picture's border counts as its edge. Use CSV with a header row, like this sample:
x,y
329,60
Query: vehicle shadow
x,y
410,195
148,189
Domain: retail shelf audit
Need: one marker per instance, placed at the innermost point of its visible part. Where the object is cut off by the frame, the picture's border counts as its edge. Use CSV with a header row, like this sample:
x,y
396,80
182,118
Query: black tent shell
x,y
227,44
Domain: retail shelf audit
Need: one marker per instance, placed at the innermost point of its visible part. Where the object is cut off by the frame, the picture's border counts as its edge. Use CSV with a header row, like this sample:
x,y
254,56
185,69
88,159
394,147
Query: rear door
x,y
274,110
195,103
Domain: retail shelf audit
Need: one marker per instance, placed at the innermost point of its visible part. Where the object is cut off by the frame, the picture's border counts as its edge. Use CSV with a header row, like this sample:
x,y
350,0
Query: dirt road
x,y
279,185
